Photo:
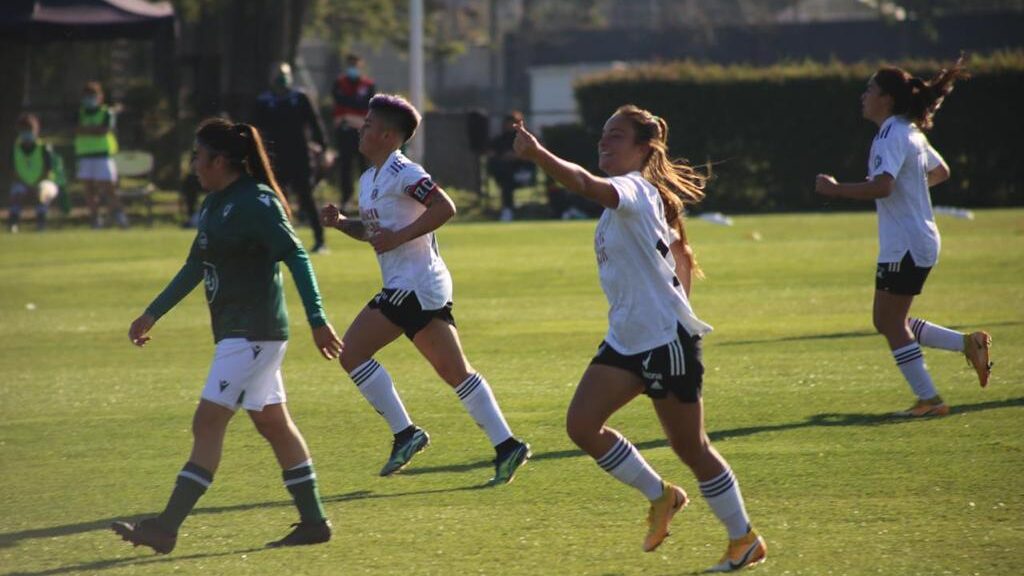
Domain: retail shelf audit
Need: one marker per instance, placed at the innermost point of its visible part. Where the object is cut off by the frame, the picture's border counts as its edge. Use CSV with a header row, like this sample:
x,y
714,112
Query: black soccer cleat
x,y
146,533
304,534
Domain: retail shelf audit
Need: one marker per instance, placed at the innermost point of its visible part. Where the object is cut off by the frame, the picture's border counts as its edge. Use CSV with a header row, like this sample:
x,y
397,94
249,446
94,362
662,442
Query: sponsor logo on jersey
x,y
256,349
227,210
202,216
265,198
202,241
421,190
223,384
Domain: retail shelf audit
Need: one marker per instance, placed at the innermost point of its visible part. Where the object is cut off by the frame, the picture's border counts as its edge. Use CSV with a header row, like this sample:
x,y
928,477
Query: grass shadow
x,y
844,335
98,565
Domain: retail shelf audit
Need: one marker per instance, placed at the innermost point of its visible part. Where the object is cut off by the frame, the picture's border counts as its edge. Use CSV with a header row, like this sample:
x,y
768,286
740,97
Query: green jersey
x,y
243,233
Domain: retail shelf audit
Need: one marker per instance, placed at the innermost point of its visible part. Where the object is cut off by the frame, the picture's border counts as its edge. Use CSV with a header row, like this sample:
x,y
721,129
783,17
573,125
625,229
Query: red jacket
x,y
352,97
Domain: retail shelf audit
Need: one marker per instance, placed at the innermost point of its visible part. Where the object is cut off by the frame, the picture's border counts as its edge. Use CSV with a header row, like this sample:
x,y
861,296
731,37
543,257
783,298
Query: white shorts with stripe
x,y
246,374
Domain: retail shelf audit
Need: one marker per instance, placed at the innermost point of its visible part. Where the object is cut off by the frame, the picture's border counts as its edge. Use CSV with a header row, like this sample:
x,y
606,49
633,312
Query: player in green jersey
x,y
243,233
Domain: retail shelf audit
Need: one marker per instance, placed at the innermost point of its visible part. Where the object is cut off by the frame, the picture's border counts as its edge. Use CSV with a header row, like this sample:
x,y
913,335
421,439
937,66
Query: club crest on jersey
x,y
210,281
202,241
878,161
421,190
202,216
373,195
227,210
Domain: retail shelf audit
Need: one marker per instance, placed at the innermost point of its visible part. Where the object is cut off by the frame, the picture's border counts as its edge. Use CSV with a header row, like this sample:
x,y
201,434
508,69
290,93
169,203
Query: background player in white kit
x,y
901,168
399,209
653,340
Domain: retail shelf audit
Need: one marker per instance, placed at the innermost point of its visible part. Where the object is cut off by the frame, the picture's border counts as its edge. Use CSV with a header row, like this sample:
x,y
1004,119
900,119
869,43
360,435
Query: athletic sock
x,y
192,482
625,463
910,361
300,481
723,496
375,384
935,336
478,399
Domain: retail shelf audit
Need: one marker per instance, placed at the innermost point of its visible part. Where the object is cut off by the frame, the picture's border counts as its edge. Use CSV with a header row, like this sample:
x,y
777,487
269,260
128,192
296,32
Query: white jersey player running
x,y
653,343
901,168
400,207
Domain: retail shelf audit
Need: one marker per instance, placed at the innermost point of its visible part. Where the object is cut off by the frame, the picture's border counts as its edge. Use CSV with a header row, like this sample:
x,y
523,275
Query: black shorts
x,y
903,277
675,367
402,308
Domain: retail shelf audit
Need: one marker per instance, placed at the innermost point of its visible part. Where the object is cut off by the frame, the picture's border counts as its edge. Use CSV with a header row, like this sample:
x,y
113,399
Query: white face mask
x,y
27,136
90,101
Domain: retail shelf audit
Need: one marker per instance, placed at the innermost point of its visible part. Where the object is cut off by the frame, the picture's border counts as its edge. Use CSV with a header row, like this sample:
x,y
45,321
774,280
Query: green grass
x,y
797,388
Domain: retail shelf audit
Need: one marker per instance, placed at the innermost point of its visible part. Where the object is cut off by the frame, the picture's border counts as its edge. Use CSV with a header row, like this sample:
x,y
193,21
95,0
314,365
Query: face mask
x,y
352,72
90,101
283,81
27,136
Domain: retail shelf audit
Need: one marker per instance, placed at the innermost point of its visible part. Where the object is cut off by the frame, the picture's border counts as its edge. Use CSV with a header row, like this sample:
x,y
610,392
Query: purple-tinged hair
x,y
397,113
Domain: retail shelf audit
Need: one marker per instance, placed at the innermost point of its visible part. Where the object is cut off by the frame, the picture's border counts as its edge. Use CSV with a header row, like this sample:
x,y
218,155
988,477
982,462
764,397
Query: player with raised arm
x,y
653,343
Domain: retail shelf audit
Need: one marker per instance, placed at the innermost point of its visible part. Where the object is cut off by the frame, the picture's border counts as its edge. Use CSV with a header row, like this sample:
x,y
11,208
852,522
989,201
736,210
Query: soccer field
x,y
797,392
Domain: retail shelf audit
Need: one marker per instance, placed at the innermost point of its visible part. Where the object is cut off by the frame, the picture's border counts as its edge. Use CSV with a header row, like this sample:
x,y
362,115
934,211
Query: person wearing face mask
x,y
95,147
33,163
294,139
352,93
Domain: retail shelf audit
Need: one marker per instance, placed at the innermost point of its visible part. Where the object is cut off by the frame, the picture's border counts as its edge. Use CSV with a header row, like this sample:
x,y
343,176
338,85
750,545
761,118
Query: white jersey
x,y
905,219
637,271
393,198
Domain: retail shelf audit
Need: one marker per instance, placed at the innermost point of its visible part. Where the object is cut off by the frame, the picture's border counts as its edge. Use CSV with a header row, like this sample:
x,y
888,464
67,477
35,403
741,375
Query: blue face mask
x,y
352,72
27,136
90,101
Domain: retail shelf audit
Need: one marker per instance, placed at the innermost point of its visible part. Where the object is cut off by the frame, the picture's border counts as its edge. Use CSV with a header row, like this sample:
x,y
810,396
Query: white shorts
x,y
246,374
100,168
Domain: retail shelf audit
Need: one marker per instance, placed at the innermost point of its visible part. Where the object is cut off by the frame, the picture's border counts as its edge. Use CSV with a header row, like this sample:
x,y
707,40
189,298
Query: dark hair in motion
x,y
915,98
677,182
397,112
243,147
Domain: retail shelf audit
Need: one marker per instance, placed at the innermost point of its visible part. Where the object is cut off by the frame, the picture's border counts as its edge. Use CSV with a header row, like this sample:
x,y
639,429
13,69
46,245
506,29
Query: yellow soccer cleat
x,y
924,408
749,550
976,347
672,500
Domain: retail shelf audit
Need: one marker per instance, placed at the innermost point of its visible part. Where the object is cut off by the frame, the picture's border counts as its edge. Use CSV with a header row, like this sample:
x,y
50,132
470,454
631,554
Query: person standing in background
x,y
352,93
95,147
294,139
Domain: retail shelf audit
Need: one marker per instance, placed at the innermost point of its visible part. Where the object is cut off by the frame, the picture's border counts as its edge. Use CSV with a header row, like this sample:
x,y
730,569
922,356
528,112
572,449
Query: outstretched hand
x,y
138,333
525,145
327,341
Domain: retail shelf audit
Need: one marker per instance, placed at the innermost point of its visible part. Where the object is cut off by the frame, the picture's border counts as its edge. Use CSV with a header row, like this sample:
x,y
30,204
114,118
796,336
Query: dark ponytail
x,y
243,147
919,99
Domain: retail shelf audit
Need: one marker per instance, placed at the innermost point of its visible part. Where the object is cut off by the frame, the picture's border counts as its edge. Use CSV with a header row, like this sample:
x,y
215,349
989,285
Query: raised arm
x,y
574,177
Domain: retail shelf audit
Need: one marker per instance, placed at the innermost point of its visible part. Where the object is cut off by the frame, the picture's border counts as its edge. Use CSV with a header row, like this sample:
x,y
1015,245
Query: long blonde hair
x,y
678,183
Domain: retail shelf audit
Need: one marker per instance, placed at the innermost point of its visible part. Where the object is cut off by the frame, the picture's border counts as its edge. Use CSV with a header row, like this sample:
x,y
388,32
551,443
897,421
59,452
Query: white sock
x,y
477,398
625,463
375,384
723,495
911,363
935,336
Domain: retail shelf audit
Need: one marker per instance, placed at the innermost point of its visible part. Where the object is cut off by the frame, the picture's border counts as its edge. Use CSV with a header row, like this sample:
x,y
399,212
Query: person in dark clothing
x,y
295,139
352,93
507,169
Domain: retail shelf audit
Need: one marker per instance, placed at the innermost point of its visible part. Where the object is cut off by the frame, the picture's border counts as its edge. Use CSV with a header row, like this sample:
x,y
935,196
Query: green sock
x,y
301,483
192,482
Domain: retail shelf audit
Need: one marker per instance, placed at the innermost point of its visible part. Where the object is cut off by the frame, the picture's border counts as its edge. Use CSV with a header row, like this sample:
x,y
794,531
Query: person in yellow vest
x,y
95,146
33,163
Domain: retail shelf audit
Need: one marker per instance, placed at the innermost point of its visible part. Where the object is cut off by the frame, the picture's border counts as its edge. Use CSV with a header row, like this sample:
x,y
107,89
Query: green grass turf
x,y
797,391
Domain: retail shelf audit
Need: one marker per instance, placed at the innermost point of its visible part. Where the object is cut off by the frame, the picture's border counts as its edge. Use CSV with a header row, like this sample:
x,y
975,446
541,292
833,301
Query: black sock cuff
x,y
196,473
298,474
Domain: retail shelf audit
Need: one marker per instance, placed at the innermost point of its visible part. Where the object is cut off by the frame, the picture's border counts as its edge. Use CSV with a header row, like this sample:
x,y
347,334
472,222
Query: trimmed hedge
x,y
768,131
